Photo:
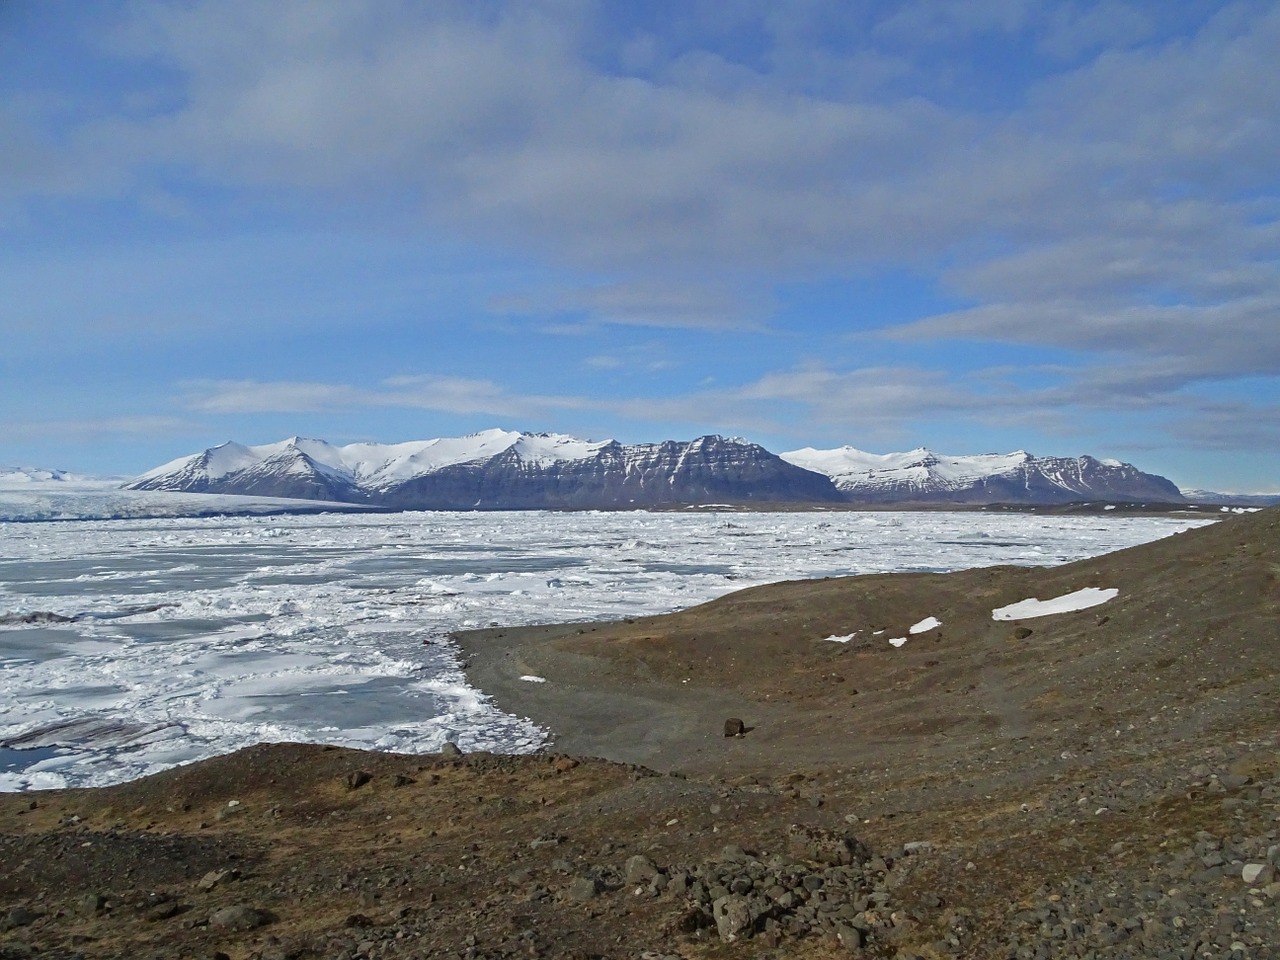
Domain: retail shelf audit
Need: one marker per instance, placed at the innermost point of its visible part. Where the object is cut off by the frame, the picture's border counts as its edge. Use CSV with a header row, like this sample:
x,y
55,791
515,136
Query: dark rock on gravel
x,y
239,918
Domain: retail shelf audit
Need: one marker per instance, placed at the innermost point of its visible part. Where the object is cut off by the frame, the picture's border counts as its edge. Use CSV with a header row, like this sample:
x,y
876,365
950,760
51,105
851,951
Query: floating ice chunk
x,y
437,588
842,639
897,641
925,625
1067,603
530,678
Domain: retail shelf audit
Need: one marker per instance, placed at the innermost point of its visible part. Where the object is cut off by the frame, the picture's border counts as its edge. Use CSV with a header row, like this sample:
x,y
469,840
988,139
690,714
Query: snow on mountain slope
x,y
380,467
851,469
509,470
497,470
921,475
24,478
369,466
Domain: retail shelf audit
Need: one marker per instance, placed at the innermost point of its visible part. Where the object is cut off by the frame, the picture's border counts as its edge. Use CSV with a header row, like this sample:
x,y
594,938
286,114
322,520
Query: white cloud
x,y
448,394
1122,204
96,429
672,304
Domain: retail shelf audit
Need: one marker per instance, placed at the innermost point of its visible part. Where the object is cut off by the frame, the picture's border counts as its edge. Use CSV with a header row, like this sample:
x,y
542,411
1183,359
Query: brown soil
x,y
1090,750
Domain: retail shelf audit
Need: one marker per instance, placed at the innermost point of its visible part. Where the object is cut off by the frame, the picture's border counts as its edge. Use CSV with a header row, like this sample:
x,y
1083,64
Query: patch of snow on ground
x,y
925,625
1067,603
845,639
530,678
897,641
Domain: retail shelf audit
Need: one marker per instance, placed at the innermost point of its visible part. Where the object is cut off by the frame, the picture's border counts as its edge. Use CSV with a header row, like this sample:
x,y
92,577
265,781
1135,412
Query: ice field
x,y
192,637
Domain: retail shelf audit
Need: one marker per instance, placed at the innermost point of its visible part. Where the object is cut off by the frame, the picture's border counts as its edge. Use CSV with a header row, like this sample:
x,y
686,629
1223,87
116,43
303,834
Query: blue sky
x,y
974,226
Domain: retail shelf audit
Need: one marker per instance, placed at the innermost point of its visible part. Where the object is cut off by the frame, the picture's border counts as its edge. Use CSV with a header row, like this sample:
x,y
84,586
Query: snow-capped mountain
x,y
921,476
1232,499
498,470
509,470
23,477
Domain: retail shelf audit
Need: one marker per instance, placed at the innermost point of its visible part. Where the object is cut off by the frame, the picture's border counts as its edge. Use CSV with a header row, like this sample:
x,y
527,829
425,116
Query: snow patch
x,y
1067,603
531,678
897,641
925,625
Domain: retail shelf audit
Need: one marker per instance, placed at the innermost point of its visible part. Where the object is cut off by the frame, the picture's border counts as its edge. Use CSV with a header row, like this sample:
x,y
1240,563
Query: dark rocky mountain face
x,y
1086,478
290,473
1052,480
706,470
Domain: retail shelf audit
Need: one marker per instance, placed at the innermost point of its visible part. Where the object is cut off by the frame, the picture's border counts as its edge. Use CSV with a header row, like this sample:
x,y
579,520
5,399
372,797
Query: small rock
x,y
357,779
164,911
849,937
640,869
214,878
565,764
1257,874
1021,633
402,780
734,727
450,750
734,918
583,889
239,918
19,917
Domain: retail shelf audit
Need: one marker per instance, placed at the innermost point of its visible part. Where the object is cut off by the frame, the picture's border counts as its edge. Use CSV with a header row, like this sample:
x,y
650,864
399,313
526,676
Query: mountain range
x,y
510,470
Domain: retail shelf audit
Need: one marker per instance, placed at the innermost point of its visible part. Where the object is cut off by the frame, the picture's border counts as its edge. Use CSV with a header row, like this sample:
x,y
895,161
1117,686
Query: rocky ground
x,y
1103,783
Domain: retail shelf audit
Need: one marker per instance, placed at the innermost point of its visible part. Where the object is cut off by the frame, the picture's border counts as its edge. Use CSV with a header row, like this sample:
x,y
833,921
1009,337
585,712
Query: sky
x,y
976,226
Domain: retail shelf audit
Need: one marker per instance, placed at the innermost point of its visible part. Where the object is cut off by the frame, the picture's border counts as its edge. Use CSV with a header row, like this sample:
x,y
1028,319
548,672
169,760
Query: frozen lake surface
x,y
190,638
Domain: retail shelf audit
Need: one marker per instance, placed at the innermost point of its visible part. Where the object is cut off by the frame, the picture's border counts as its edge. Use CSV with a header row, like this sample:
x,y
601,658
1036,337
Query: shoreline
x,y
589,710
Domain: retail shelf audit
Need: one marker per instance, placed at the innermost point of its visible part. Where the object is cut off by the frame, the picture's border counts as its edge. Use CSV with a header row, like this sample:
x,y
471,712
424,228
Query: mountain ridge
x,y
500,469
922,474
